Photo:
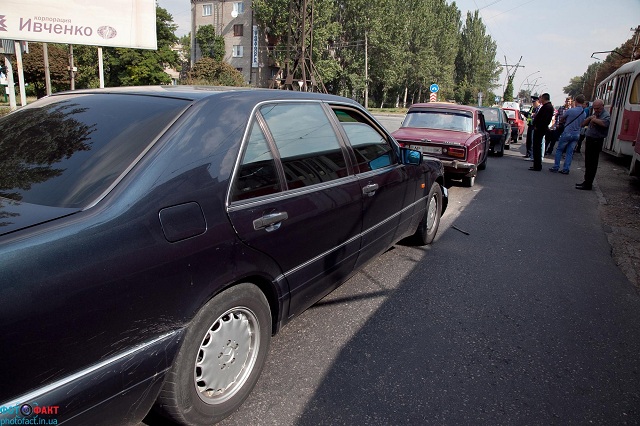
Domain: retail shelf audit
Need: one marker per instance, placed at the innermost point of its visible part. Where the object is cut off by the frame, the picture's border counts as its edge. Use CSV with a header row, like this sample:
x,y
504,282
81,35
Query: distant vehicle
x,y
153,239
499,129
620,93
455,134
512,105
517,121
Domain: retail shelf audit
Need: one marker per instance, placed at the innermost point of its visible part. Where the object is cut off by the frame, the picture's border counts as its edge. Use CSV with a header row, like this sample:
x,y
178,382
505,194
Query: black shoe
x,y
583,186
564,172
534,169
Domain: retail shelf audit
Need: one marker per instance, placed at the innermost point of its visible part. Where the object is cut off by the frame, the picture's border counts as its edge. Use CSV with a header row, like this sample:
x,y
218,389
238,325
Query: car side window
x,y
257,174
308,146
481,124
371,148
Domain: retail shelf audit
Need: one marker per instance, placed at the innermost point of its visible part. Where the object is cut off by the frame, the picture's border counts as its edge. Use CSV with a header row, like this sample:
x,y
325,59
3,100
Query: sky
x,y
555,38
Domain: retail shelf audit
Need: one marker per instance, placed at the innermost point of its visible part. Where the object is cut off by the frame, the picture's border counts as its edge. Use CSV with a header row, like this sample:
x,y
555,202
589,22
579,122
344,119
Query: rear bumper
x,y
118,390
459,167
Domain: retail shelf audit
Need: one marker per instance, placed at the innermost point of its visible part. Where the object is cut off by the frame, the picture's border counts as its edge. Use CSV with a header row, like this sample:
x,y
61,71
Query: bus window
x,y
634,96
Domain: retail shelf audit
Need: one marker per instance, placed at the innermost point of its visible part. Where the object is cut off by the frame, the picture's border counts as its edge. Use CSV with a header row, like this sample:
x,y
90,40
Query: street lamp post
x,y
535,84
527,79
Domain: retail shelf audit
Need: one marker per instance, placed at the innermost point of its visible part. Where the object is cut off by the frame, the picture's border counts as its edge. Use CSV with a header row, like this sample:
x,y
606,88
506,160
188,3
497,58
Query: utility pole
x,y
299,71
510,76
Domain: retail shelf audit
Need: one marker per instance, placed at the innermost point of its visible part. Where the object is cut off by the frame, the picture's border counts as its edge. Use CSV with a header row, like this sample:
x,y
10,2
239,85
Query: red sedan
x,y
455,134
517,121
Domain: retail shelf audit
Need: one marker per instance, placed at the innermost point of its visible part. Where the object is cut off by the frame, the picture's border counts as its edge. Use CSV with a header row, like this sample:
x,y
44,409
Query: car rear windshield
x,y
460,121
491,115
67,150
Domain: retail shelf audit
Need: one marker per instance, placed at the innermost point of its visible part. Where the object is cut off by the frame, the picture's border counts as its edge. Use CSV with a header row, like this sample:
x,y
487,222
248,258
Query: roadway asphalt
x,y
523,318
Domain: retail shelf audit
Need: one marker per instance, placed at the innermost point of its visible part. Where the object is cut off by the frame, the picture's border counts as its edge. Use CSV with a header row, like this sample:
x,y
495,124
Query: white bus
x,y
621,95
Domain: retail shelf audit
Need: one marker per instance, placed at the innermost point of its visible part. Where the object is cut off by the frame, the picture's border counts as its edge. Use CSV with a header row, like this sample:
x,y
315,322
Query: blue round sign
x,y
434,88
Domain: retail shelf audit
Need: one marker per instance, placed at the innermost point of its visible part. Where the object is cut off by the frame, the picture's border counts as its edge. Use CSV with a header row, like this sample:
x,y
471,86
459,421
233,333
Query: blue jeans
x,y
567,141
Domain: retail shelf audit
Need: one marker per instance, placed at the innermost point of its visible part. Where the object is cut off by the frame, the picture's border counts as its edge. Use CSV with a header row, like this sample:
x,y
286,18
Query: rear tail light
x,y
454,152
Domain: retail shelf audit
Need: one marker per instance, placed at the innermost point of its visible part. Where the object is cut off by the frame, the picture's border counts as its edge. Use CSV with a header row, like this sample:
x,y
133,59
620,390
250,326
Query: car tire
x,y
231,332
483,165
468,181
430,222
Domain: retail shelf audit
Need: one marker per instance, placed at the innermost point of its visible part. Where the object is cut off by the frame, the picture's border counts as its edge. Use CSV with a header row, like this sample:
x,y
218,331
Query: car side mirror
x,y
410,156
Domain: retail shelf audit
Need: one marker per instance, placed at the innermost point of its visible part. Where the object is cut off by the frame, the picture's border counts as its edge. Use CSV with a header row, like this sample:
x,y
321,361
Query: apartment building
x,y
233,19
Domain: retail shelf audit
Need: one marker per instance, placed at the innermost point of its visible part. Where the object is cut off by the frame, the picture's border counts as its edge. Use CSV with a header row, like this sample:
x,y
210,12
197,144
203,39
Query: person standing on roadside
x,y
532,113
555,133
540,125
583,130
569,130
598,126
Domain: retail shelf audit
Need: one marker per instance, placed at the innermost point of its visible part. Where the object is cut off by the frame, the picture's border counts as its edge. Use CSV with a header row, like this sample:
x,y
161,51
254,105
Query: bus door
x,y
612,144
630,123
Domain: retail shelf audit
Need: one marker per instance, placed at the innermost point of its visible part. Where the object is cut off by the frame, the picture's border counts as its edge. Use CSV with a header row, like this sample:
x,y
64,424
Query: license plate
x,y
427,149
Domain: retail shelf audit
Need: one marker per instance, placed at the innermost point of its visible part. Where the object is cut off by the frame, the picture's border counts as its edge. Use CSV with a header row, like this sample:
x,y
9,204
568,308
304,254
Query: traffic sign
x,y
434,88
433,97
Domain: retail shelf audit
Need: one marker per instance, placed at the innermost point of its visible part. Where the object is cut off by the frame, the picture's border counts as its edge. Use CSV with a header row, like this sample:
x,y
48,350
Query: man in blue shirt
x,y
598,123
571,119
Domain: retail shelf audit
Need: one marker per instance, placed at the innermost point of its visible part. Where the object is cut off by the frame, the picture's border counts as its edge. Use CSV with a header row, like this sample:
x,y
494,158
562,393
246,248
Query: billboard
x,y
112,23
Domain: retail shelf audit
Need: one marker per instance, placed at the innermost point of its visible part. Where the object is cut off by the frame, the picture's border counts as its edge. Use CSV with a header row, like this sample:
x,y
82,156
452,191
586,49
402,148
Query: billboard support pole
x,y
71,73
47,73
23,95
10,84
101,67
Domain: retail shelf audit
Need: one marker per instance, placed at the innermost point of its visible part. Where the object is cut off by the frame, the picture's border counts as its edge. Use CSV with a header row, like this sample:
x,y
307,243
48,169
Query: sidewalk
x,y
619,201
619,207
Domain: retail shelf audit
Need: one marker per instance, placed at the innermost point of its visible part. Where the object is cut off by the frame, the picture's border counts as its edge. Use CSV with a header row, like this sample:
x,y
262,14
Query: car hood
x,y
15,215
438,136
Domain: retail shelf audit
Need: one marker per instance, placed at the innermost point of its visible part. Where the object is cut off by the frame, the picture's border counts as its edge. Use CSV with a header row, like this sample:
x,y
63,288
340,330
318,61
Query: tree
x,y
208,71
131,67
33,68
508,91
476,66
211,45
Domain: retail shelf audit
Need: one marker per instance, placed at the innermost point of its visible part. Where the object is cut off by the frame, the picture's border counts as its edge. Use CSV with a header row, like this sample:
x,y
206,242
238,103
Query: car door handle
x,y
270,222
370,189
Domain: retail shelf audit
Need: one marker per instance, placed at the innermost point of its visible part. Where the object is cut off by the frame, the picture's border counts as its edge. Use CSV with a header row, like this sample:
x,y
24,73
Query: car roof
x,y
195,93
444,105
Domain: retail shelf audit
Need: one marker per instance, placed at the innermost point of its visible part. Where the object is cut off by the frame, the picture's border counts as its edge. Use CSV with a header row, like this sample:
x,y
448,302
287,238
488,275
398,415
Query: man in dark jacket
x,y
598,123
540,125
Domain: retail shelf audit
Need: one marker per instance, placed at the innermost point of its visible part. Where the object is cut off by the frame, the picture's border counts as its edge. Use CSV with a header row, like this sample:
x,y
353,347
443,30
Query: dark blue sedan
x,y
152,240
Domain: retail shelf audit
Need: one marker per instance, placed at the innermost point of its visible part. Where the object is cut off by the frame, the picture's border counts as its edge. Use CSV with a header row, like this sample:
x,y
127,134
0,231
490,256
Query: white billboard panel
x,y
113,23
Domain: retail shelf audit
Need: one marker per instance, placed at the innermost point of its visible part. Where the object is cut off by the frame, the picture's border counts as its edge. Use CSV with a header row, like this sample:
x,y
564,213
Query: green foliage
x,y
33,68
208,71
130,67
508,91
411,44
273,15
476,66
211,45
